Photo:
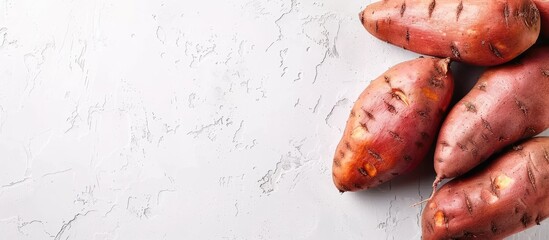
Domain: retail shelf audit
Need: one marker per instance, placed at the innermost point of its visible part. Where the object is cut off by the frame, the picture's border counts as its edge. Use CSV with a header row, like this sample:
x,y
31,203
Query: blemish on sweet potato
x,y
526,220
493,227
440,218
530,131
482,86
494,50
522,106
545,72
529,14
436,83
455,51
375,155
390,108
368,114
402,8
371,170
506,13
337,162
400,95
432,6
395,136
459,9
407,35
531,178
468,204
486,125
462,147
470,107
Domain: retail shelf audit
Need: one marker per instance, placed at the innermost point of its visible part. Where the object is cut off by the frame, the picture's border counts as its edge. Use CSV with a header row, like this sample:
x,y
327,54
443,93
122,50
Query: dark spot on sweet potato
x,y
407,158
363,125
455,51
462,147
530,14
502,138
518,147
493,188
444,144
494,50
368,114
363,172
493,227
545,72
482,86
531,177
395,136
526,220
341,153
348,146
522,106
402,8
357,185
468,235
470,107
436,83
394,174
468,204
376,27
353,113
474,152
440,160
529,131
486,125
486,139
459,9
419,144
337,162
361,17
344,188
432,6
407,35
390,108
375,155
506,13
423,114
538,220
387,79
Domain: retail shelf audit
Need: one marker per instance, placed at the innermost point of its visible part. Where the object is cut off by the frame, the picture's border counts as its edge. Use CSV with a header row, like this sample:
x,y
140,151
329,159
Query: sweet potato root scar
x,y
371,170
502,182
399,94
440,219
430,94
359,133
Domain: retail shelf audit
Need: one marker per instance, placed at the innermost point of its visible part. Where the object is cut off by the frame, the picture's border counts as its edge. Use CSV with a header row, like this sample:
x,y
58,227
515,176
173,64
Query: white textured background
x,y
180,119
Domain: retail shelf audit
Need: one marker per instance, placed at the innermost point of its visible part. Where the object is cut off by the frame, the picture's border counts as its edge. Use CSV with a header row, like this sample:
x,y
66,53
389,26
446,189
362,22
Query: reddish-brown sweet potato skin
x,y
508,103
477,32
543,7
508,196
393,123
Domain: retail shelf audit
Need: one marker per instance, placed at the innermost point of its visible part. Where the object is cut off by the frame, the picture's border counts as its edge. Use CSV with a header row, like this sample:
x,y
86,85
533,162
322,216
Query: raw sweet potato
x,y
477,32
507,196
393,123
508,103
543,6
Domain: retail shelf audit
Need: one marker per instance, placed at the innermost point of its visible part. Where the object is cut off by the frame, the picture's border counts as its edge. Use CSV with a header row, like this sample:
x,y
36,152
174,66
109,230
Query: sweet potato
x,y
507,196
393,123
477,32
543,7
508,103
